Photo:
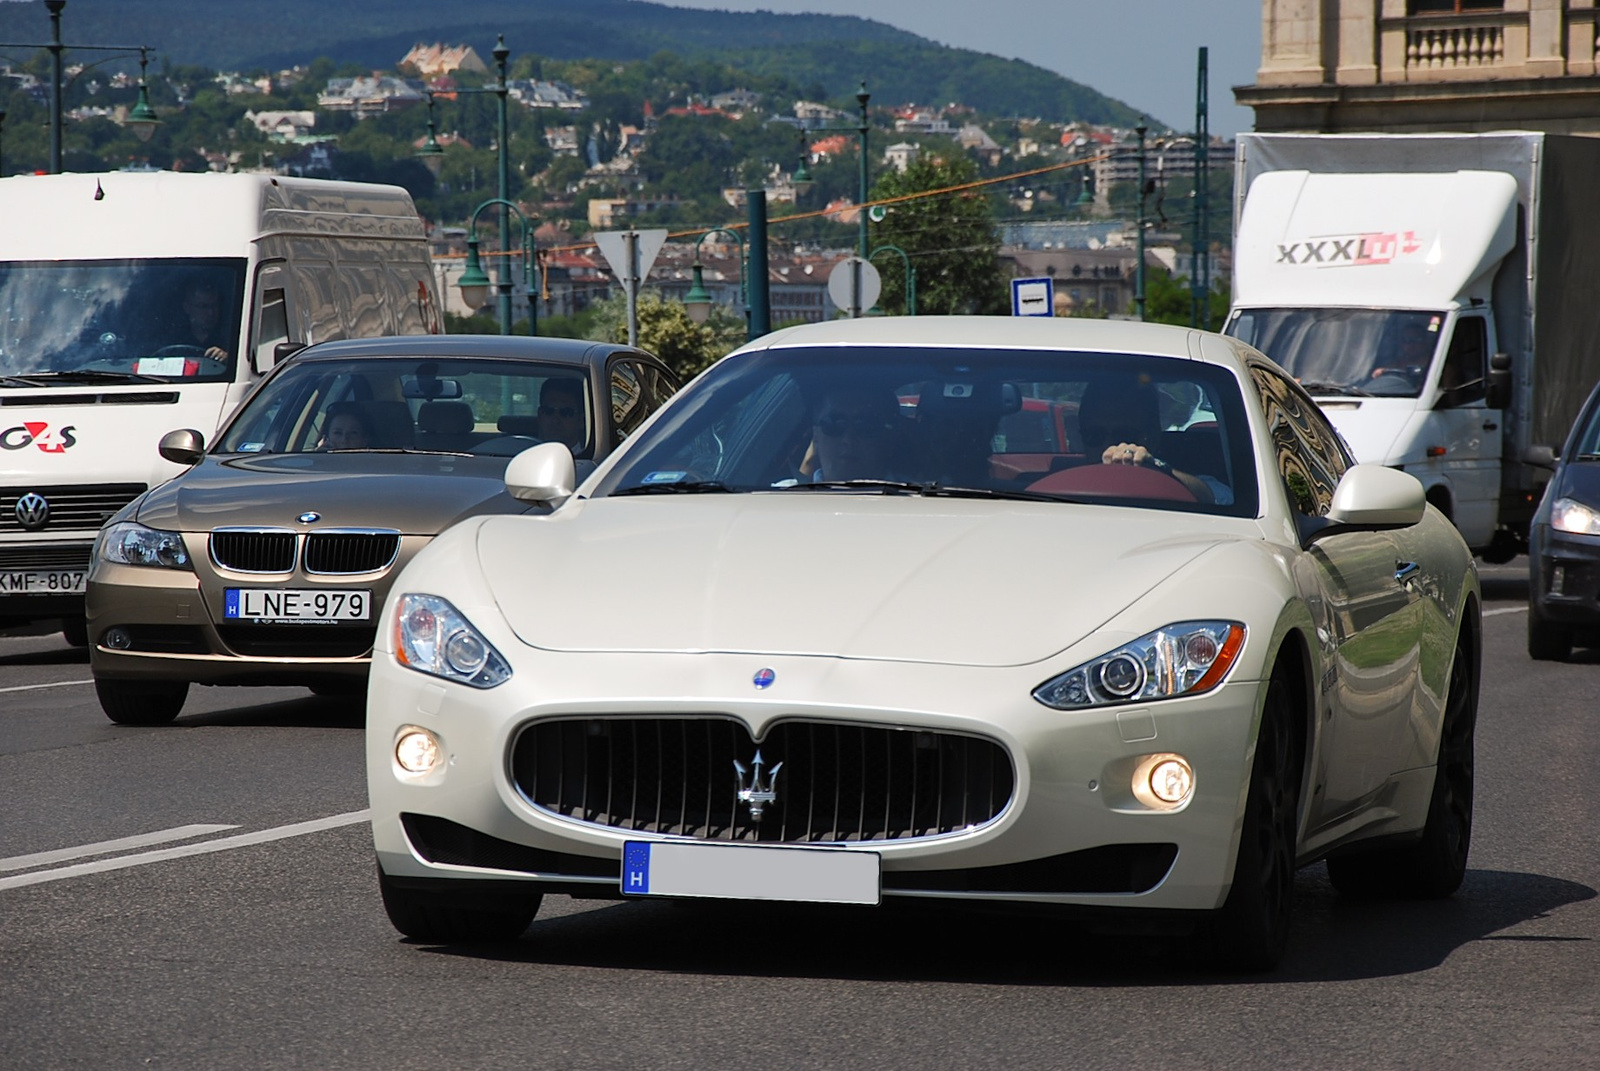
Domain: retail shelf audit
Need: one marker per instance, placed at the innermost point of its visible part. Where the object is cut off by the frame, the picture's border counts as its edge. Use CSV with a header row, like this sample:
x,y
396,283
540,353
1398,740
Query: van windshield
x,y
1381,353
71,322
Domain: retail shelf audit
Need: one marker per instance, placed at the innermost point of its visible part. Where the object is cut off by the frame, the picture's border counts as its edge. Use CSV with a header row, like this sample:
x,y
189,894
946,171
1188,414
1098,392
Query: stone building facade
x,y
1427,65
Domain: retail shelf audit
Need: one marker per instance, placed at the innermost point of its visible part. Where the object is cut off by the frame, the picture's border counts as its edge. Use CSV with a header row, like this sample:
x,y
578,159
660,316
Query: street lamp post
x,y
2,140
474,282
911,275
432,153
697,302
142,118
1138,267
861,129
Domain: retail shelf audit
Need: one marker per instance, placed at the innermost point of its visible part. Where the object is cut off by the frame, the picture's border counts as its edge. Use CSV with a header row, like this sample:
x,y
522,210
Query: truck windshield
x,y
71,322
1355,352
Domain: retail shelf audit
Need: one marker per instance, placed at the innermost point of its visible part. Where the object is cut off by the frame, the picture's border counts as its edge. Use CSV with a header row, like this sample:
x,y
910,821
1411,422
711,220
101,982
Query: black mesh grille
x,y
298,641
84,506
253,552
676,776
71,556
439,840
350,552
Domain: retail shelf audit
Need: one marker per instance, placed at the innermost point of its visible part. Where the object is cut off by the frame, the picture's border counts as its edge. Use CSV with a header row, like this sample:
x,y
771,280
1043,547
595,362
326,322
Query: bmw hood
x,y
416,494
893,578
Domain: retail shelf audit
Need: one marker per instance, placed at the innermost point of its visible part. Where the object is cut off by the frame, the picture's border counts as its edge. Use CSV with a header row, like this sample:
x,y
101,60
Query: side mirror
x,y
182,447
1540,455
1376,496
1498,395
542,474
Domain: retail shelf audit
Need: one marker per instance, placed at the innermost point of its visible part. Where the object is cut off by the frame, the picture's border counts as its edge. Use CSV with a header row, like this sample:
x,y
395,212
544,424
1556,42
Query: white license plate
x,y
54,582
750,872
312,606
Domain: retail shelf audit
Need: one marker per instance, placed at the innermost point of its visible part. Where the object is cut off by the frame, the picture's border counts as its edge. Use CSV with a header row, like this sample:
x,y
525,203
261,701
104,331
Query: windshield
x,y
1037,425
429,404
1382,353
67,322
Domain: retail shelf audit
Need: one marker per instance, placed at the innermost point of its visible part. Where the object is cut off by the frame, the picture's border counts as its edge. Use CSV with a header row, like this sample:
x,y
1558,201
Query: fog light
x,y
1163,782
1558,580
417,751
117,639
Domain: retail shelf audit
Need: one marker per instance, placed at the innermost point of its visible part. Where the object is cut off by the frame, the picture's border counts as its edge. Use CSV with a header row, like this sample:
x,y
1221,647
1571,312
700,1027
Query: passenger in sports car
x,y
1120,418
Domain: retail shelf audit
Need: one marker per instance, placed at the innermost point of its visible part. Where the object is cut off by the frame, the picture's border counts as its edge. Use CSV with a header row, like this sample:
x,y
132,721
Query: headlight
x,y
134,544
1569,516
1183,659
431,636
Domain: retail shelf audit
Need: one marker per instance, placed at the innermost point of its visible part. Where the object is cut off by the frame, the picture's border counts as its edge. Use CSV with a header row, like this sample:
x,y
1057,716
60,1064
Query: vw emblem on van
x,y
33,511
309,517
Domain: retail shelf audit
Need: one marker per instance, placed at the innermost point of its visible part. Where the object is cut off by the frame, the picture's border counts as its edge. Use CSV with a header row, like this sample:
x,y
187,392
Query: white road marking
x,y
34,687
106,847
1506,610
243,840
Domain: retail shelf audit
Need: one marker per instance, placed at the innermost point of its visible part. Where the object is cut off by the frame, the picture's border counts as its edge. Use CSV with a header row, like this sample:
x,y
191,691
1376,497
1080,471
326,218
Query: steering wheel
x,y
1114,481
498,446
1409,371
185,351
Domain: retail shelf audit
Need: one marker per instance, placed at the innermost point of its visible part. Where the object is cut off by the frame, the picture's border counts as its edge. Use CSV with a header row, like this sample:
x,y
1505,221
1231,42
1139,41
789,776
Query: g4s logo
x,y
38,433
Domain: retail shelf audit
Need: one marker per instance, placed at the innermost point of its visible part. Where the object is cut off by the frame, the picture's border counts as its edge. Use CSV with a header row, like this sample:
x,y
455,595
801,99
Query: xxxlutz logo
x,y
38,434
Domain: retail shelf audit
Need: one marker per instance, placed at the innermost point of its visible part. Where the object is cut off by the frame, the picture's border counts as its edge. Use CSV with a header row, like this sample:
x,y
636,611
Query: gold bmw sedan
x,y
267,561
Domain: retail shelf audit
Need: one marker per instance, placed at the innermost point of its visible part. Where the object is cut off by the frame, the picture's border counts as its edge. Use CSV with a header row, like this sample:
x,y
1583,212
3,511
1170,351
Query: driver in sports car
x,y
1118,417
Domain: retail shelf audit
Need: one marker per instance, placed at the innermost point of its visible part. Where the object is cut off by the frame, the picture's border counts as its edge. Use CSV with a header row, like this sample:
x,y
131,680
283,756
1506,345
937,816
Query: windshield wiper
x,y
1345,389
19,381
681,487
87,375
938,490
927,489
886,486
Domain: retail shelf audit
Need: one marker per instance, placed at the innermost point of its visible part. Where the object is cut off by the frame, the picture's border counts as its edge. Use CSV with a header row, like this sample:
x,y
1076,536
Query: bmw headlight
x,y
1182,659
127,543
1567,515
431,636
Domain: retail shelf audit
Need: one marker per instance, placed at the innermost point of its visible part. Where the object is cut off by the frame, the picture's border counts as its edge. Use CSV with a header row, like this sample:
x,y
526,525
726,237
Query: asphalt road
x,y
202,896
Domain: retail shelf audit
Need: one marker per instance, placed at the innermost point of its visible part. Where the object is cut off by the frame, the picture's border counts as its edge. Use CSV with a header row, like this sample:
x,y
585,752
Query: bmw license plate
x,y
310,606
750,872
55,582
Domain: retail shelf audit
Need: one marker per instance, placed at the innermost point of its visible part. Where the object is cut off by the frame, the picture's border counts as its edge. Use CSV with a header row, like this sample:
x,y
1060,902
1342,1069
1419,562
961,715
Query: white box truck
x,y
134,304
1436,293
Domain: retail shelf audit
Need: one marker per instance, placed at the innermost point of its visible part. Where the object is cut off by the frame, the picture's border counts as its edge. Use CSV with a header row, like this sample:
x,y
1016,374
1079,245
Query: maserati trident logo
x,y
763,679
754,792
33,511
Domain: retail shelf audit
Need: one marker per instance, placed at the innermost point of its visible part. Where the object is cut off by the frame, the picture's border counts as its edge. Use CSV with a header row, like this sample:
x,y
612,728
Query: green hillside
x,y
832,53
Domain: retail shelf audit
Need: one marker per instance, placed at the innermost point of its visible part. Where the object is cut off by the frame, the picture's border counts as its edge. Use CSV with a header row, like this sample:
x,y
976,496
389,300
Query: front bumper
x,y
1564,580
1071,833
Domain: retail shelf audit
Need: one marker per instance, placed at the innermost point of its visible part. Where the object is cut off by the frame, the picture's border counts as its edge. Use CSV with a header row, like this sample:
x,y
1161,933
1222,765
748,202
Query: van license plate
x,y
310,606
57,582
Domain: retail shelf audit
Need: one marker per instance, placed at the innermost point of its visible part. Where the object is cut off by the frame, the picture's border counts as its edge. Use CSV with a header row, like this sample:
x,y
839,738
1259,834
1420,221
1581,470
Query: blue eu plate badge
x,y
636,869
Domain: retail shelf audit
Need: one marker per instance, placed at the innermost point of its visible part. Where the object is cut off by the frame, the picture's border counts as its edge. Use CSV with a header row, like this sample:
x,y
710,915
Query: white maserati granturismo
x,y
1091,614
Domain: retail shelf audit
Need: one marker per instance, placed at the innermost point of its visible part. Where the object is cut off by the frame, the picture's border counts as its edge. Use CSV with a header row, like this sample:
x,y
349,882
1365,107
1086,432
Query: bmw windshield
x,y
1010,424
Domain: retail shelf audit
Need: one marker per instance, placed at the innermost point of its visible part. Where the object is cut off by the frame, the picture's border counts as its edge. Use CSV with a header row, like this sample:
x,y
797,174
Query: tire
x,y
1547,642
462,916
75,630
141,702
1433,867
1251,929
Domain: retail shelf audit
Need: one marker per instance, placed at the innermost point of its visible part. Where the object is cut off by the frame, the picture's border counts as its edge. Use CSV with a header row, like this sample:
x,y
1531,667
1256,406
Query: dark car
x,y
267,562
1564,543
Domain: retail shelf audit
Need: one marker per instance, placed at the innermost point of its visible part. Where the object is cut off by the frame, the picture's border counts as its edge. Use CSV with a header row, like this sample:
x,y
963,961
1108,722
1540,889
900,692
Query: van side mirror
x,y
1498,395
182,447
1540,455
543,474
284,350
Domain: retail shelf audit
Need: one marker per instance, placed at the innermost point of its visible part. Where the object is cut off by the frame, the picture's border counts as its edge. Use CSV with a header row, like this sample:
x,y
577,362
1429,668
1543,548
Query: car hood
x,y
416,494
896,578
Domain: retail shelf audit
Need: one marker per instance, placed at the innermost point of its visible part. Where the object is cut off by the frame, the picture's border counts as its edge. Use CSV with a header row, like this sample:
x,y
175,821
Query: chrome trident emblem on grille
x,y
756,794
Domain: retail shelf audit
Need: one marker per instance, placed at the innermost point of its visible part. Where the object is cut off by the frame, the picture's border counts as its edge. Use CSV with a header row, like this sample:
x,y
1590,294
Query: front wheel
x,y
461,915
1251,929
1433,867
140,702
1547,641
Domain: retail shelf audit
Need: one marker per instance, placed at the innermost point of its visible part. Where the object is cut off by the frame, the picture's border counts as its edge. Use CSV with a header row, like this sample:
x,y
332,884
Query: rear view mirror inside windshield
x,y
430,387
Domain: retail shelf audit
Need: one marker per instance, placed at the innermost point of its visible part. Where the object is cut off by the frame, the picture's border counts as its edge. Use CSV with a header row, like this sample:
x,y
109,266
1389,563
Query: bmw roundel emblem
x,y
763,678
309,518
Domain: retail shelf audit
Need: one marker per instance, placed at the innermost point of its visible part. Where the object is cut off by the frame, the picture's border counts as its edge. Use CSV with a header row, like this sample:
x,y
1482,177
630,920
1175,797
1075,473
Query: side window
x,y
271,316
1466,364
629,406
1309,456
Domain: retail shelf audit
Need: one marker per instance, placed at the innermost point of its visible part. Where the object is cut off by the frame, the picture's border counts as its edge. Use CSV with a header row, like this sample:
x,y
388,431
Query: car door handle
x,y
1489,425
1406,571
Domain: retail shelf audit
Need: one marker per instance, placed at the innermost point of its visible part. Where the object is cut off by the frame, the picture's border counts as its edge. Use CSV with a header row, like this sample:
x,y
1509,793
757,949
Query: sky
x,y
1142,52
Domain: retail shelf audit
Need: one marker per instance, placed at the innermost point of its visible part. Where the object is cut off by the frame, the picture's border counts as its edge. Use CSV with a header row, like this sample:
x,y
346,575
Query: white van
x,y
133,304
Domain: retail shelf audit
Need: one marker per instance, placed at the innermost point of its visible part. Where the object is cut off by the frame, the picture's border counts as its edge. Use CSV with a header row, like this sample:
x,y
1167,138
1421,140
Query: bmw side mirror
x,y
1540,455
182,447
543,474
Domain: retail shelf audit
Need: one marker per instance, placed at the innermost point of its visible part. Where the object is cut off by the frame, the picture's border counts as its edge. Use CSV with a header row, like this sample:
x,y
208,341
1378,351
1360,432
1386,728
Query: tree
x,y
950,239
1168,300
666,331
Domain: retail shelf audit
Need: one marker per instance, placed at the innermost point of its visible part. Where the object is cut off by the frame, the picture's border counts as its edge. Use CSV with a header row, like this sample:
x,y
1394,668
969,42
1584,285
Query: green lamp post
x,y
697,302
475,282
